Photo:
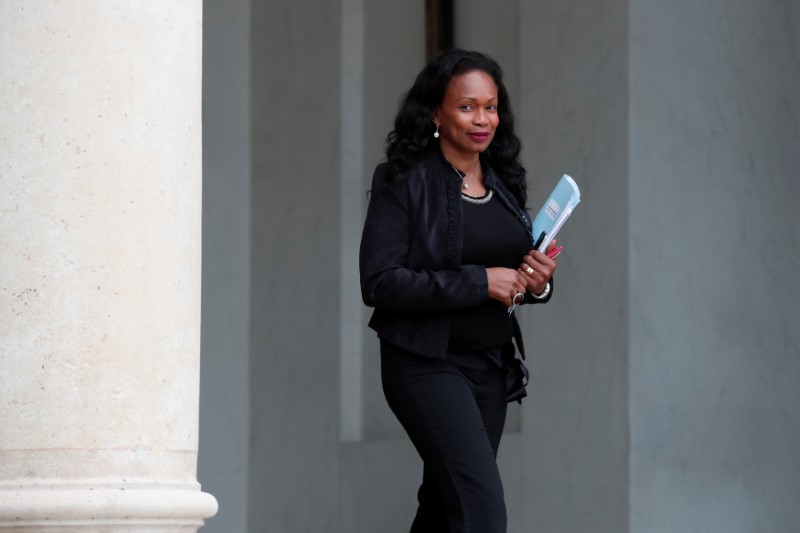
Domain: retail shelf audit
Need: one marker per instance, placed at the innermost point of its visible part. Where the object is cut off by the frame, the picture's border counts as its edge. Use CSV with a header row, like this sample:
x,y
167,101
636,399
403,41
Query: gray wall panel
x,y
224,398
665,369
573,116
715,312
294,333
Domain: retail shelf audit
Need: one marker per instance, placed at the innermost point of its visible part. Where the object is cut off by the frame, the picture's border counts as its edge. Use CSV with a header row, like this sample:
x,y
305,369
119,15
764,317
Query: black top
x,y
492,238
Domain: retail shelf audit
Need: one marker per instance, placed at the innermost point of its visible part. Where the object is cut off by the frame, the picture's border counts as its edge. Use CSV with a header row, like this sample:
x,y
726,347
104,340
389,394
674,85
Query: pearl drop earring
x,y
436,133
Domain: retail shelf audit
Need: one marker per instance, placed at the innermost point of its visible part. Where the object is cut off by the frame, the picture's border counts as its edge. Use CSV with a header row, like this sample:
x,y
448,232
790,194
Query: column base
x,y
105,510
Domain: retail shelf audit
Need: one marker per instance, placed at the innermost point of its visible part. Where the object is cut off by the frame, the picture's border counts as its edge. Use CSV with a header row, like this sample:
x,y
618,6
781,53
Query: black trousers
x,y
454,412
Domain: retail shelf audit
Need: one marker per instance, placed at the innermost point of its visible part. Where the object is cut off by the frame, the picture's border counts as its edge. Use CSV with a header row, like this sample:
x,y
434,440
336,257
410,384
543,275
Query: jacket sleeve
x,y
531,299
387,279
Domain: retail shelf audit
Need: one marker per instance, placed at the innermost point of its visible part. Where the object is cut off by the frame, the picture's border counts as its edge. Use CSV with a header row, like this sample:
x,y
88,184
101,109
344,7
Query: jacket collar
x,y
436,158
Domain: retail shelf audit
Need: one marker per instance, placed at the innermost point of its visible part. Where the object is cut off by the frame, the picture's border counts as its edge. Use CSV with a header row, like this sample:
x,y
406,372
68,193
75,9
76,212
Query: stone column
x,y
100,173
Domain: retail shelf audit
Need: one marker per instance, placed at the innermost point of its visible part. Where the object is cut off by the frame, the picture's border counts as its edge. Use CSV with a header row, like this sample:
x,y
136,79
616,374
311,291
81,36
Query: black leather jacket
x,y
410,257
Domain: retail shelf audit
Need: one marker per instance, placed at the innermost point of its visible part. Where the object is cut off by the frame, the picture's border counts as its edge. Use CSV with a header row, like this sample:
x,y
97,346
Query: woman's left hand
x,y
538,269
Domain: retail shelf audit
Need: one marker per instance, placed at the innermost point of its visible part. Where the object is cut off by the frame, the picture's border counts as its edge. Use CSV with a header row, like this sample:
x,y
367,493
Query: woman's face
x,y
467,116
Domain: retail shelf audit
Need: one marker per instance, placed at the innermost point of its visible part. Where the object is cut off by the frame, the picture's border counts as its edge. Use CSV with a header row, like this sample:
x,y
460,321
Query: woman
x,y
446,253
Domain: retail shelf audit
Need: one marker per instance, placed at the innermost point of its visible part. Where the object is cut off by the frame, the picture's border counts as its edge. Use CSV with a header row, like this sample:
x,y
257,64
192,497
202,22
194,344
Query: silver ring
x,y
529,270
518,298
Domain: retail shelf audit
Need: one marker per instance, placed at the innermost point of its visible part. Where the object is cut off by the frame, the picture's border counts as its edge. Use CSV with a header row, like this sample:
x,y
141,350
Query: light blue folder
x,y
555,211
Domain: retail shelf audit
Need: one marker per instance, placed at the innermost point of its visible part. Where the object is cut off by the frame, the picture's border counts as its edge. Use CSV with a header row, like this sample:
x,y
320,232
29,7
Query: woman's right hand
x,y
504,283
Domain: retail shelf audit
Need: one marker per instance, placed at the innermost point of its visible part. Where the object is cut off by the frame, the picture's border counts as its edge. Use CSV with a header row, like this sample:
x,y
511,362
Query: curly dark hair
x,y
413,126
